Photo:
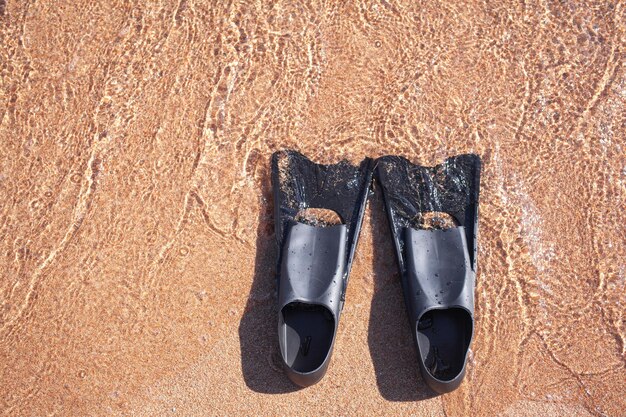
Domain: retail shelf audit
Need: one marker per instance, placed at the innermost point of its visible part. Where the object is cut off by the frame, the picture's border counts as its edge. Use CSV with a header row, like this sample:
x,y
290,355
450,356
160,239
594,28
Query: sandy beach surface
x,y
137,250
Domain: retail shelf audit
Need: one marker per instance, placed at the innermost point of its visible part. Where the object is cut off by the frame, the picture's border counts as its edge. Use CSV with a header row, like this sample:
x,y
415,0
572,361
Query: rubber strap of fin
x,y
438,270
313,266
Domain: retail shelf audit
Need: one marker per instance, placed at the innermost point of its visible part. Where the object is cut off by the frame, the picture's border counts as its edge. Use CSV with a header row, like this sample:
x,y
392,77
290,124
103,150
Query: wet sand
x,y
136,237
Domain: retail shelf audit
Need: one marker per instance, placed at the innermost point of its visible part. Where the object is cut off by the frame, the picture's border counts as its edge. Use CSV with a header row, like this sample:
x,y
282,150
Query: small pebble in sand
x,y
201,295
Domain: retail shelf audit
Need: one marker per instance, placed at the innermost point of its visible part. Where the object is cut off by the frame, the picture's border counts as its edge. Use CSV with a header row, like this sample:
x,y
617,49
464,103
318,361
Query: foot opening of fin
x,y
443,337
307,332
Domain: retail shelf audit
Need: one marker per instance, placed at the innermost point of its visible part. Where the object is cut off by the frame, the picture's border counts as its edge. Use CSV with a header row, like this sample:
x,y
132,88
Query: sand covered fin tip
x,y
320,217
437,220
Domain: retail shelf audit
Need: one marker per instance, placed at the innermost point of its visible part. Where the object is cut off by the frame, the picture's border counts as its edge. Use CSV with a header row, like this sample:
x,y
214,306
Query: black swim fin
x,y
315,256
433,213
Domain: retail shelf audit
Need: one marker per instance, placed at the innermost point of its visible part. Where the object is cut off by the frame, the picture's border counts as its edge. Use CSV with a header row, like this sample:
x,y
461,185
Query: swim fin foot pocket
x,y
432,213
318,214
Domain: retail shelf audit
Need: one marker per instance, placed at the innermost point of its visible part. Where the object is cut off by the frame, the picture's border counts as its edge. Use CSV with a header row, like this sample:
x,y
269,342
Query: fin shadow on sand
x,y
389,336
260,358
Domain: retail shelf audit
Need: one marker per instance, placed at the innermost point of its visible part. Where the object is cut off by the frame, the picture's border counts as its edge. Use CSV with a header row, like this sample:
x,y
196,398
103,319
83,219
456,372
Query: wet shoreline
x,y
136,220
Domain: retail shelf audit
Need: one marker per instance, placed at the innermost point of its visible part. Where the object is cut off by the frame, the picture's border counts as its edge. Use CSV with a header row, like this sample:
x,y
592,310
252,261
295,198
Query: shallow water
x,y
136,236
